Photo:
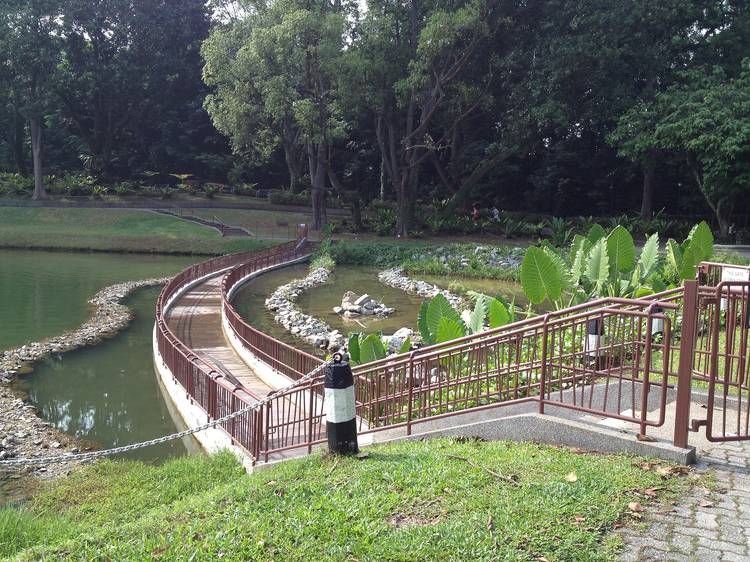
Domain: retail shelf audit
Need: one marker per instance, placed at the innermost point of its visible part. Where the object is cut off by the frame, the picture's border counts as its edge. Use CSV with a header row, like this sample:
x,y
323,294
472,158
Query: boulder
x,y
364,300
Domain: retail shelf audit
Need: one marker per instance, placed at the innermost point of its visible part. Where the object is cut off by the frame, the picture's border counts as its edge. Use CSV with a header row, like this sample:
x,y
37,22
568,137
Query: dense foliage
x,y
407,112
602,265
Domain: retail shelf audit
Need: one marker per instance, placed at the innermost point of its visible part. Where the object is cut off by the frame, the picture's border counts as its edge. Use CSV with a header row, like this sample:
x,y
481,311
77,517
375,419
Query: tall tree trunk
x,y
647,198
19,135
35,125
317,161
291,165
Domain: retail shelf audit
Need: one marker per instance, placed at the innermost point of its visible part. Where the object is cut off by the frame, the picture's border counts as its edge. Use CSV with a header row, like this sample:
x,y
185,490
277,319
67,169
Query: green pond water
x,y
42,294
107,395
319,301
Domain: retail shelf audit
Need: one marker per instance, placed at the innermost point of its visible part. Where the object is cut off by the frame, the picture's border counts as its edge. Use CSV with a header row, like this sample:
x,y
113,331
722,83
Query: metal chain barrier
x,y
93,455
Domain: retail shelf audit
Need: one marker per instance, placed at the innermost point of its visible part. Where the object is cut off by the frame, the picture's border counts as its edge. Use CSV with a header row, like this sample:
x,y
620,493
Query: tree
x,y
129,76
273,79
707,118
31,43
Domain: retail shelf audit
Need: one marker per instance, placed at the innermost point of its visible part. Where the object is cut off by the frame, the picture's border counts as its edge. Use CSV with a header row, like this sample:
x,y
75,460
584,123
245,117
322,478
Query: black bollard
x,y
594,337
657,324
341,423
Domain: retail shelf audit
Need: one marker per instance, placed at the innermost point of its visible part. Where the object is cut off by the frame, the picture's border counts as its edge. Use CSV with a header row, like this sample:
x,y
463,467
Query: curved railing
x,y
202,381
285,358
551,360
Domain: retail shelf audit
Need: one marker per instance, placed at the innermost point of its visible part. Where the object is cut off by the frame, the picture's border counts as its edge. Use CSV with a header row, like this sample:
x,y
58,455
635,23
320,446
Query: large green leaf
x,y
649,255
575,245
674,257
578,260
476,318
449,329
596,233
563,272
597,267
424,329
406,346
438,309
689,263
371,348
353,346
621,250
701,242
540,278
498,314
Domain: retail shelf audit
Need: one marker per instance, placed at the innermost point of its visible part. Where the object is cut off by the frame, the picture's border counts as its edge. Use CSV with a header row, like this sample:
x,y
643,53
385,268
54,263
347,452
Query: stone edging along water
x,y
396,279
109,318
22,432
310,329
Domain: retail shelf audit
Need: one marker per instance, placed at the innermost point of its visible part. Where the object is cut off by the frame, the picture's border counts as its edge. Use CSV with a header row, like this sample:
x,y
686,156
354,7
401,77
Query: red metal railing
x,y
204,384
550,360
281,356
547,359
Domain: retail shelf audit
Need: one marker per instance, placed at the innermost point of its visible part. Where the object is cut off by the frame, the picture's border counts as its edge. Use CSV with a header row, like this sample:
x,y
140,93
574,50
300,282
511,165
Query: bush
x,y
74,184
278,197
15,184
383,221
370,253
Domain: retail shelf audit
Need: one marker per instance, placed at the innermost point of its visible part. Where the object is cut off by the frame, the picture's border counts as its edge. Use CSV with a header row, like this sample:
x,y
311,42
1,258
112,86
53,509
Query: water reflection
x,y
109,394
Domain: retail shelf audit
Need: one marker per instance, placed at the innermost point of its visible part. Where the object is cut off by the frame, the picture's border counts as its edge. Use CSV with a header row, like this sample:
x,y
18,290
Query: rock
x,y
363,300
338,309
55,444
403,332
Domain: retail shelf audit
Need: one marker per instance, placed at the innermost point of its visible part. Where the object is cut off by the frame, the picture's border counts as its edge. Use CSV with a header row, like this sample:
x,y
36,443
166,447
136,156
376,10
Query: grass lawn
x,y
423,500
271,224
113,230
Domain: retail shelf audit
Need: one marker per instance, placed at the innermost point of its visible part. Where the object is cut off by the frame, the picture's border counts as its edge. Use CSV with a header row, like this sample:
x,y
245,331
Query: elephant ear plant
x,y
601,265
438,322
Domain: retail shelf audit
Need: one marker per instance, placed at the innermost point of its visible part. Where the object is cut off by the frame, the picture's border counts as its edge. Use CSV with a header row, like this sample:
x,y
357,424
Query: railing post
x,y
543,374
685,368
410,406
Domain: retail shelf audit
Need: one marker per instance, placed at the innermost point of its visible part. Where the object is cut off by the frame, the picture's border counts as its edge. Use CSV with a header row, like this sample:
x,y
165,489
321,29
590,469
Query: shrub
x,y
383,221
278,197
15,184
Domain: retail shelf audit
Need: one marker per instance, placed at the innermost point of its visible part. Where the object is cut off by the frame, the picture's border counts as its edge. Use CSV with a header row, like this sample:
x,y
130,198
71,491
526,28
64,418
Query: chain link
x,y
93,455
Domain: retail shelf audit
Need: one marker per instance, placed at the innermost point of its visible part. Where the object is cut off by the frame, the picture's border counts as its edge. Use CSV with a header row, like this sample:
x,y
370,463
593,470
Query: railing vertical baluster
x,y
543,370
685,369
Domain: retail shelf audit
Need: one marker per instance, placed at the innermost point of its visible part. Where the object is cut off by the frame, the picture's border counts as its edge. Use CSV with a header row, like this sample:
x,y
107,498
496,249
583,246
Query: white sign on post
x,y
733,274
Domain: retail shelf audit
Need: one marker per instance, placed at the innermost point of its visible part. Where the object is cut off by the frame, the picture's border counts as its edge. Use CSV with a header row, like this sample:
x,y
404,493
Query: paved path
x,y
702,526
196,319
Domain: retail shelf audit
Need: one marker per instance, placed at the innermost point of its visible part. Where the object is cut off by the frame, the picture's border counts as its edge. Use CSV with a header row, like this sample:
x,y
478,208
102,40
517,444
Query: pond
x,y
319,301
108,395
43,294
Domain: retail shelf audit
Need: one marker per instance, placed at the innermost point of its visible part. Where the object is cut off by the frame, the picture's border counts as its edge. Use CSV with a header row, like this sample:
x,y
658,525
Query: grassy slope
x,y
111,229
406,501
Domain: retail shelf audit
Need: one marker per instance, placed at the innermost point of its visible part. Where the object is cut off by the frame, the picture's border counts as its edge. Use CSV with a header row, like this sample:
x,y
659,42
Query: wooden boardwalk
x,y
195,318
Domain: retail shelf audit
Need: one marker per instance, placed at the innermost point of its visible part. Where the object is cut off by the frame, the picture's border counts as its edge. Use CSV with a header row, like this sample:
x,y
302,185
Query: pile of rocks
x,y
109,318
355,306
304,326
24,435
395,278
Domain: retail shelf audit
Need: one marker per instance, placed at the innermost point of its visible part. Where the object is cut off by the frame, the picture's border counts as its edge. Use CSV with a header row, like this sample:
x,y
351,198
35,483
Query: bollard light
x,y
657,324
341,423
594,337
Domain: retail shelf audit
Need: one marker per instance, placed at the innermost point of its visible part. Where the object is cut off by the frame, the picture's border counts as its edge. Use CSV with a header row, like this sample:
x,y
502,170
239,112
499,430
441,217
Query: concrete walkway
x,y
702,526
196,320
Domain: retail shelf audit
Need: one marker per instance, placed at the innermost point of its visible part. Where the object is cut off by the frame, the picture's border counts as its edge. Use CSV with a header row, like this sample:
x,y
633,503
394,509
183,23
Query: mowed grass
x,y
270,224
423,500
119,230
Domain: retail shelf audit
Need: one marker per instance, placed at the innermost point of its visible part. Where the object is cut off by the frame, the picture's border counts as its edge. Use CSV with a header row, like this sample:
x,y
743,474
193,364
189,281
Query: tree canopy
x,y
559,107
